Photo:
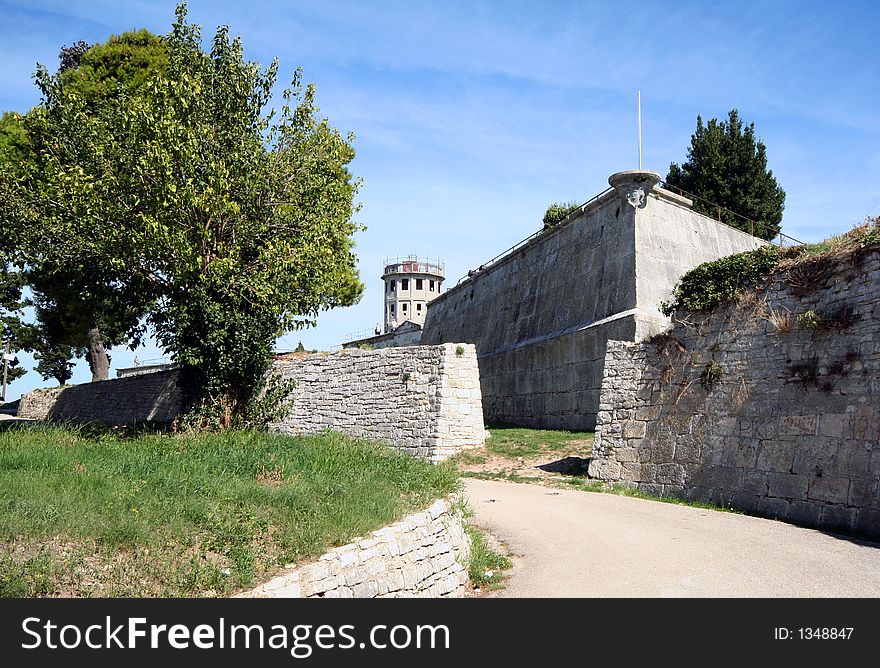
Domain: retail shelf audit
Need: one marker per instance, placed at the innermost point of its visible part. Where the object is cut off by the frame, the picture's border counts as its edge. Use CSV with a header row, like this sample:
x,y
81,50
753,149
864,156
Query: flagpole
x,y
639,104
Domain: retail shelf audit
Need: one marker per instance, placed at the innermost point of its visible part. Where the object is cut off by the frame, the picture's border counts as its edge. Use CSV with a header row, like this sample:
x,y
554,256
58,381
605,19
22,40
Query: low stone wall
x,y
424,399
422,555
151,397
790,427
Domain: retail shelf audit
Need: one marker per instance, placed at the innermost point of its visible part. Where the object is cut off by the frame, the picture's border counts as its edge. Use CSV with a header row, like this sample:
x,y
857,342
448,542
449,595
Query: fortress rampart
x,y
540,317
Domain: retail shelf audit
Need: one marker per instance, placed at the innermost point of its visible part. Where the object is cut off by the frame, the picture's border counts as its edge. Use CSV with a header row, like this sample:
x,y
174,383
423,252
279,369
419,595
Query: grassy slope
x,y
162,515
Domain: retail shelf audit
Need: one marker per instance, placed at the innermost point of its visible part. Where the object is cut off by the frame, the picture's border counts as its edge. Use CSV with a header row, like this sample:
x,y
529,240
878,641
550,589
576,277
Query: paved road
x,y
582,544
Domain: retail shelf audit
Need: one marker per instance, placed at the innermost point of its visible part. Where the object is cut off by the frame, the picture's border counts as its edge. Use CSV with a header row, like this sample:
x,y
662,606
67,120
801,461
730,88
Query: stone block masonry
x,y
424,399
422,555
790,427
152,397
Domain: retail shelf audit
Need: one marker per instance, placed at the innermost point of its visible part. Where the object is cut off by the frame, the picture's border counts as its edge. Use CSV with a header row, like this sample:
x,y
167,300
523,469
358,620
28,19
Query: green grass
x,y
486,567
861,237
588,485
97,514
469,457
512,442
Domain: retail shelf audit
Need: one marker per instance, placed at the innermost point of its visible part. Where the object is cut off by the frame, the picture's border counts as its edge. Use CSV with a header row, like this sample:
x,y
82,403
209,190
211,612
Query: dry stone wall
x,y
423,555
790,427
153,397
424,399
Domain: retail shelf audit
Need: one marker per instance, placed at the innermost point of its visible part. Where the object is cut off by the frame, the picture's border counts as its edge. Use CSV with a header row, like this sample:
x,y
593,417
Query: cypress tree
x,y
727,166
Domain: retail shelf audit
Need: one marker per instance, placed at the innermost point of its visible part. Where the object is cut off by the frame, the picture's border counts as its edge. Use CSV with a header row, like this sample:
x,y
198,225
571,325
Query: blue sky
x,y
471,117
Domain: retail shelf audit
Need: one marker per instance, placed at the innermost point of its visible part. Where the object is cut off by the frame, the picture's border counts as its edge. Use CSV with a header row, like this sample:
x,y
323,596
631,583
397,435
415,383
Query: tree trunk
x,y
99,362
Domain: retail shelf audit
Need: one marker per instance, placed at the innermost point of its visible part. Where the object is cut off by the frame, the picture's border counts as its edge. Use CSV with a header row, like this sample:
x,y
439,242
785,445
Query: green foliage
x,y
459,351
81,307
54,361
859,239
234,223
13,330
14,144
557,212
727,166
713,283
92,514
130,61
710,375
14,147
810,319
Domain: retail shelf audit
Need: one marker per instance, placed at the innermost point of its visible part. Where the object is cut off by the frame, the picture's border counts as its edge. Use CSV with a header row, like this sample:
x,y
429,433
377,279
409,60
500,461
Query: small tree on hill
x,y
727,166
557,212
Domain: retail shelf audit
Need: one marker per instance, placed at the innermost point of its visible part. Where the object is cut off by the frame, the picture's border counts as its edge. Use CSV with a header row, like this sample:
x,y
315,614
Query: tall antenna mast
x,y
639,97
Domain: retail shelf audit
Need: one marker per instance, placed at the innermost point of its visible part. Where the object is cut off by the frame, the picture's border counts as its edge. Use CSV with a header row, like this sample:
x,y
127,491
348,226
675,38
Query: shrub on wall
x,y
557,212
713,283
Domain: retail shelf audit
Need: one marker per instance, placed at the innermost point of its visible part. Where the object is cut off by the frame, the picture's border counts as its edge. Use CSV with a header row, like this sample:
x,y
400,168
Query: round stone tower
x,y
411,283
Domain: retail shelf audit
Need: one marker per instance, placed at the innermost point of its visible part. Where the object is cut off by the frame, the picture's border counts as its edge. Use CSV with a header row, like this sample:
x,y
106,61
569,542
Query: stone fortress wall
x,y
424,400
541,315
790,428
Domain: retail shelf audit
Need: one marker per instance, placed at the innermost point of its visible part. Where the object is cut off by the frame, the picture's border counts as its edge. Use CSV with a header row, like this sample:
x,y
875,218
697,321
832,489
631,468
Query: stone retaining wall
x,y
423,399
151,397
422,555
789,429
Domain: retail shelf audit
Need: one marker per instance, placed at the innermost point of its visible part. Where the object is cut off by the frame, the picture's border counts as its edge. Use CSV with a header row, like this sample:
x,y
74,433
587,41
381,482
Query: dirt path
x,y
582,544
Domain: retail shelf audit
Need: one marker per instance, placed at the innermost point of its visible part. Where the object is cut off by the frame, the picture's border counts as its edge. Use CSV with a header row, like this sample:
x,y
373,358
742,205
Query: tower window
x,y
391,286
420,284
431,286
392,309
404,284
403,306
419,308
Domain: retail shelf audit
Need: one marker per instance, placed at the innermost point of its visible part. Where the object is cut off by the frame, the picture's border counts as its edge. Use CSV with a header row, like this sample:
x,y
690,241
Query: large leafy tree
x,y
727,167
239,221
83,309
